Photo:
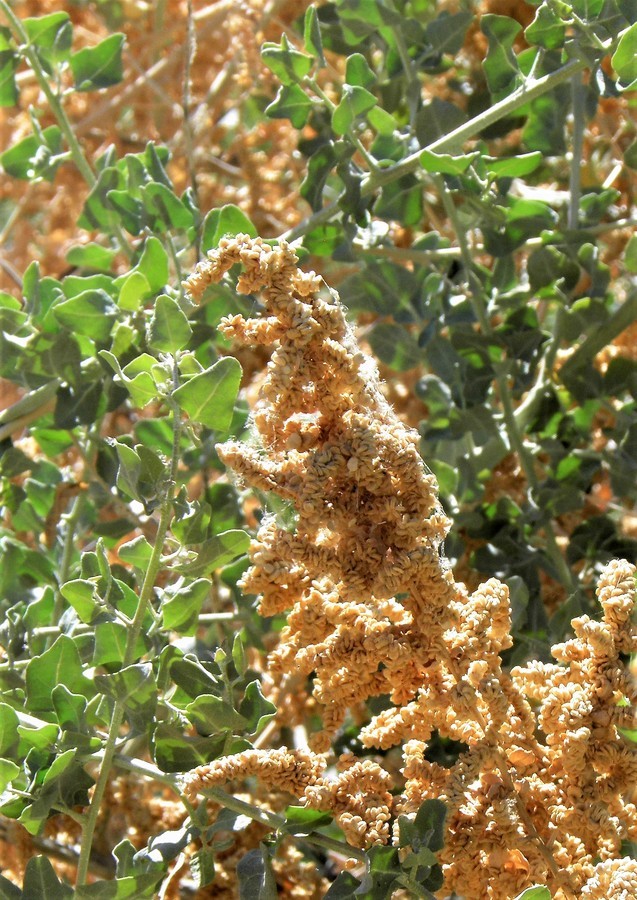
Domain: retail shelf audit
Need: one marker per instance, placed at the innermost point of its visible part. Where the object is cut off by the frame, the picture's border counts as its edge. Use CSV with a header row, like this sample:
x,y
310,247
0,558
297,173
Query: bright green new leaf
x,y
624,59
91,313
101,66
355,102
292,103
227,221
209,397
444,164
289,65
169,329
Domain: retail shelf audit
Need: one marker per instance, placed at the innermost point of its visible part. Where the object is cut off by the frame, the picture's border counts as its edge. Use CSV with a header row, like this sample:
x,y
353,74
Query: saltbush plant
x,y
234,660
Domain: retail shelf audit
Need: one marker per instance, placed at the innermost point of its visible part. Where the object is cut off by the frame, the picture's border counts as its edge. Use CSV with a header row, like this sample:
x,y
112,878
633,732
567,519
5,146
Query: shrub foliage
x,y
234,660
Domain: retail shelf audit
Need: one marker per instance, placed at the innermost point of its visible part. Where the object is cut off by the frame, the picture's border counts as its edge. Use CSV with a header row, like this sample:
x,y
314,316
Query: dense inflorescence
x,y
544,787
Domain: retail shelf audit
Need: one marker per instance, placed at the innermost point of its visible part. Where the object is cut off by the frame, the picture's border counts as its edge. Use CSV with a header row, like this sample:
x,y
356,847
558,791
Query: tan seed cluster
x,y
544,791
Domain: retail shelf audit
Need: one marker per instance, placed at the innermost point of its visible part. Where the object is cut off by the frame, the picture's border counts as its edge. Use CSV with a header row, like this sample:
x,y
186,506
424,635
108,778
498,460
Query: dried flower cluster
x,y
374,610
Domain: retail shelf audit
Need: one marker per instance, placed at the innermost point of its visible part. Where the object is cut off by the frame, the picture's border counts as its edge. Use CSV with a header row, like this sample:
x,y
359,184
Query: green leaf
x,y
255,876
255,709
319,166
110,643
181,612
98,211
217,552
131,887
8,771
91,313
169,329
228,221
209,397
630,254
175,752
51,36
81,595
8,890
512,166
447,32
99,67
164,207
41,882
312,35
136,552
624,59
211,714
69,708
355,102
134,686
395,346
91,256
153,264
547,29
302,820
289,65
292,103
444,164
382,121
60,664
202,867
501,66
9,61
344,887
34,157
538,892
358,72
8,724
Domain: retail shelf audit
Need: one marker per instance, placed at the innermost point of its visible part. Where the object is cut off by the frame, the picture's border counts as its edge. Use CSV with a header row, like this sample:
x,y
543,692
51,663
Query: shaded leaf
x,y
99,67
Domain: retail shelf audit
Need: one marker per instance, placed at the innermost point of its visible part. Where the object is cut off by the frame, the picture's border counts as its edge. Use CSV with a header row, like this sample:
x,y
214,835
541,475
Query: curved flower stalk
x,y
374,611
